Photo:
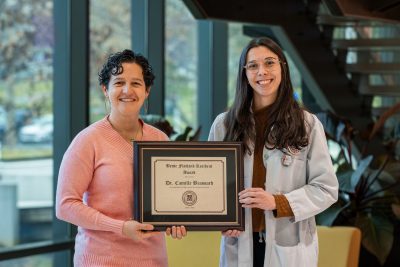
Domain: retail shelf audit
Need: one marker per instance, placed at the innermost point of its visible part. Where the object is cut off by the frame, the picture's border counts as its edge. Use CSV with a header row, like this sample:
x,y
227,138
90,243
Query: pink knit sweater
x,y
95,192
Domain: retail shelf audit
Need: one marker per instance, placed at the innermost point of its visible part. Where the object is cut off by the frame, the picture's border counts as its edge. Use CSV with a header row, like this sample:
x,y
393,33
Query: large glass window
x,y
296,78
236,42
26,121
180,66
110,32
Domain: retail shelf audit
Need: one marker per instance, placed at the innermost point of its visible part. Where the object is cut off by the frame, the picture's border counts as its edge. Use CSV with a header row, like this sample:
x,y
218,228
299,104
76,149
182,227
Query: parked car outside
x,y
40,130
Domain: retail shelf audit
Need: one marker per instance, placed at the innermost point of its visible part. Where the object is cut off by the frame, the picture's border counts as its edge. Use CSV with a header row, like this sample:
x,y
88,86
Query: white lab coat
x,y
309,183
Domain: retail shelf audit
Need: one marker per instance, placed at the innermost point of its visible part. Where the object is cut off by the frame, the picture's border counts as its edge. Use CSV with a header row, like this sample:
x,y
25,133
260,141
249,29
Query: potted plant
x,y
368,191
162,124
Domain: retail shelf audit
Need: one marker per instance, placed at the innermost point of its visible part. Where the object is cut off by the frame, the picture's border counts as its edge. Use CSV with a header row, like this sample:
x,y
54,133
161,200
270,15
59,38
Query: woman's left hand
x,y
257,198
177,232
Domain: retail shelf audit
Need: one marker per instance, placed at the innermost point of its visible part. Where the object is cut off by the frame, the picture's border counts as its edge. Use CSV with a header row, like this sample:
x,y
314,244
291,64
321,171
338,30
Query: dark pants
x,y
258,250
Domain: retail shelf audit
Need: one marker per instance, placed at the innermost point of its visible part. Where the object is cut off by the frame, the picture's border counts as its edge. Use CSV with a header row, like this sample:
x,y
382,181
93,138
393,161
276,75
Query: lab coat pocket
x,y
286,256
286,233
295,256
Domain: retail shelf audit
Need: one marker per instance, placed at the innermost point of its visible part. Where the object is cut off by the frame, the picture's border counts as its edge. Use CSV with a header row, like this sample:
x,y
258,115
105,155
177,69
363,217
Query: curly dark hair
x,y
113,66
286,126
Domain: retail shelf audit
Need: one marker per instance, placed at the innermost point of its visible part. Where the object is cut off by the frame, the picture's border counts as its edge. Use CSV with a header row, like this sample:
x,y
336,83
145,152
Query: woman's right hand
x,y
231,233
137,231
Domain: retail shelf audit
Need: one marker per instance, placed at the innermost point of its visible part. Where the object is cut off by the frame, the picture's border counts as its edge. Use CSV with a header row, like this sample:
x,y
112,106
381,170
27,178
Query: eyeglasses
x,y
269,63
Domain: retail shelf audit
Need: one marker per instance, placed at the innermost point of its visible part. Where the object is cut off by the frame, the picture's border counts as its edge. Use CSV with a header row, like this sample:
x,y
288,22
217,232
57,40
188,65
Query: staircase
x,y
348,54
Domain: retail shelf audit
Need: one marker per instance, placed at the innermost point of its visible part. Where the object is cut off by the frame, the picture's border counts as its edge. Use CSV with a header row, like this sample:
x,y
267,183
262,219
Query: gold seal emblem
x,y
189,198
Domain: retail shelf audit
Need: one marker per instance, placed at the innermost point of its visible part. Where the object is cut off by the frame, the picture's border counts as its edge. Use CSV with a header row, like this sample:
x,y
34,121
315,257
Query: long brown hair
x,y
285,127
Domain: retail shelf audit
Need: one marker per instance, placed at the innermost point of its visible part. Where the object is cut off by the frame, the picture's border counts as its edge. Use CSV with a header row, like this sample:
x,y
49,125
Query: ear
x,y
148,92
104,89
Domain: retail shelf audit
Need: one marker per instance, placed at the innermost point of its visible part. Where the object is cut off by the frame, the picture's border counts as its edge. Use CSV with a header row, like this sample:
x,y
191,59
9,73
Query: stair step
x,y
368,68
382,90
366,44
349,21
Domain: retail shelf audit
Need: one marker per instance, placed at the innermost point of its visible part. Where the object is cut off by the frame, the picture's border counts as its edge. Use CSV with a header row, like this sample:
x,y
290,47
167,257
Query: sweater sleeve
x,y
75,176
283,208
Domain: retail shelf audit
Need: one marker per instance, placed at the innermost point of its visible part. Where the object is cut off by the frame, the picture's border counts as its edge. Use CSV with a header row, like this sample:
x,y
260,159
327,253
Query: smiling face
x,y
266,78
127,91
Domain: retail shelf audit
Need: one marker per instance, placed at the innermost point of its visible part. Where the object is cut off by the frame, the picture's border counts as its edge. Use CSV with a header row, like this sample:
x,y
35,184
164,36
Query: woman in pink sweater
x,y
95,185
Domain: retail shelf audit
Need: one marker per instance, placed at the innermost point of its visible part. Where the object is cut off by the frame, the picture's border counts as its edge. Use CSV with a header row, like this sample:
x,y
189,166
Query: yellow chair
x,y
197,249
339,246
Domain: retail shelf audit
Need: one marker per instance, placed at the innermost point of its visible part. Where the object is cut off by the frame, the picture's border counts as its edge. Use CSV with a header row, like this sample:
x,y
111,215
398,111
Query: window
x,y
295,77
180,66
110,32
236,42
26,122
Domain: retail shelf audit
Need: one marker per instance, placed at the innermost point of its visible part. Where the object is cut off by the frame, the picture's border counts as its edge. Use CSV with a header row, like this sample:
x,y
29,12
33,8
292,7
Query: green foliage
x,y
25,59
367,193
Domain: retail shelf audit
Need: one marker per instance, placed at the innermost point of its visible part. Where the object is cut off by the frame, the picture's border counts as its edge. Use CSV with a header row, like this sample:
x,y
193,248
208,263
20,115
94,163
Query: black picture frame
x,y
153,160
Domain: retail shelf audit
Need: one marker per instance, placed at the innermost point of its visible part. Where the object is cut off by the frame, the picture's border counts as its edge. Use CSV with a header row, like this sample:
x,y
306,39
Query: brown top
x,y
283,208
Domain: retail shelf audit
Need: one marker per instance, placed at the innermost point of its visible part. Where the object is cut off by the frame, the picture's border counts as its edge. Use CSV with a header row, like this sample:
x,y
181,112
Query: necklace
x,y
128,139
136,135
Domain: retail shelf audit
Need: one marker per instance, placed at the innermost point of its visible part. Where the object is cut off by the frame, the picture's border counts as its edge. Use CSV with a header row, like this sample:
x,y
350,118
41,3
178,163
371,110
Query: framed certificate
x,y
195,184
